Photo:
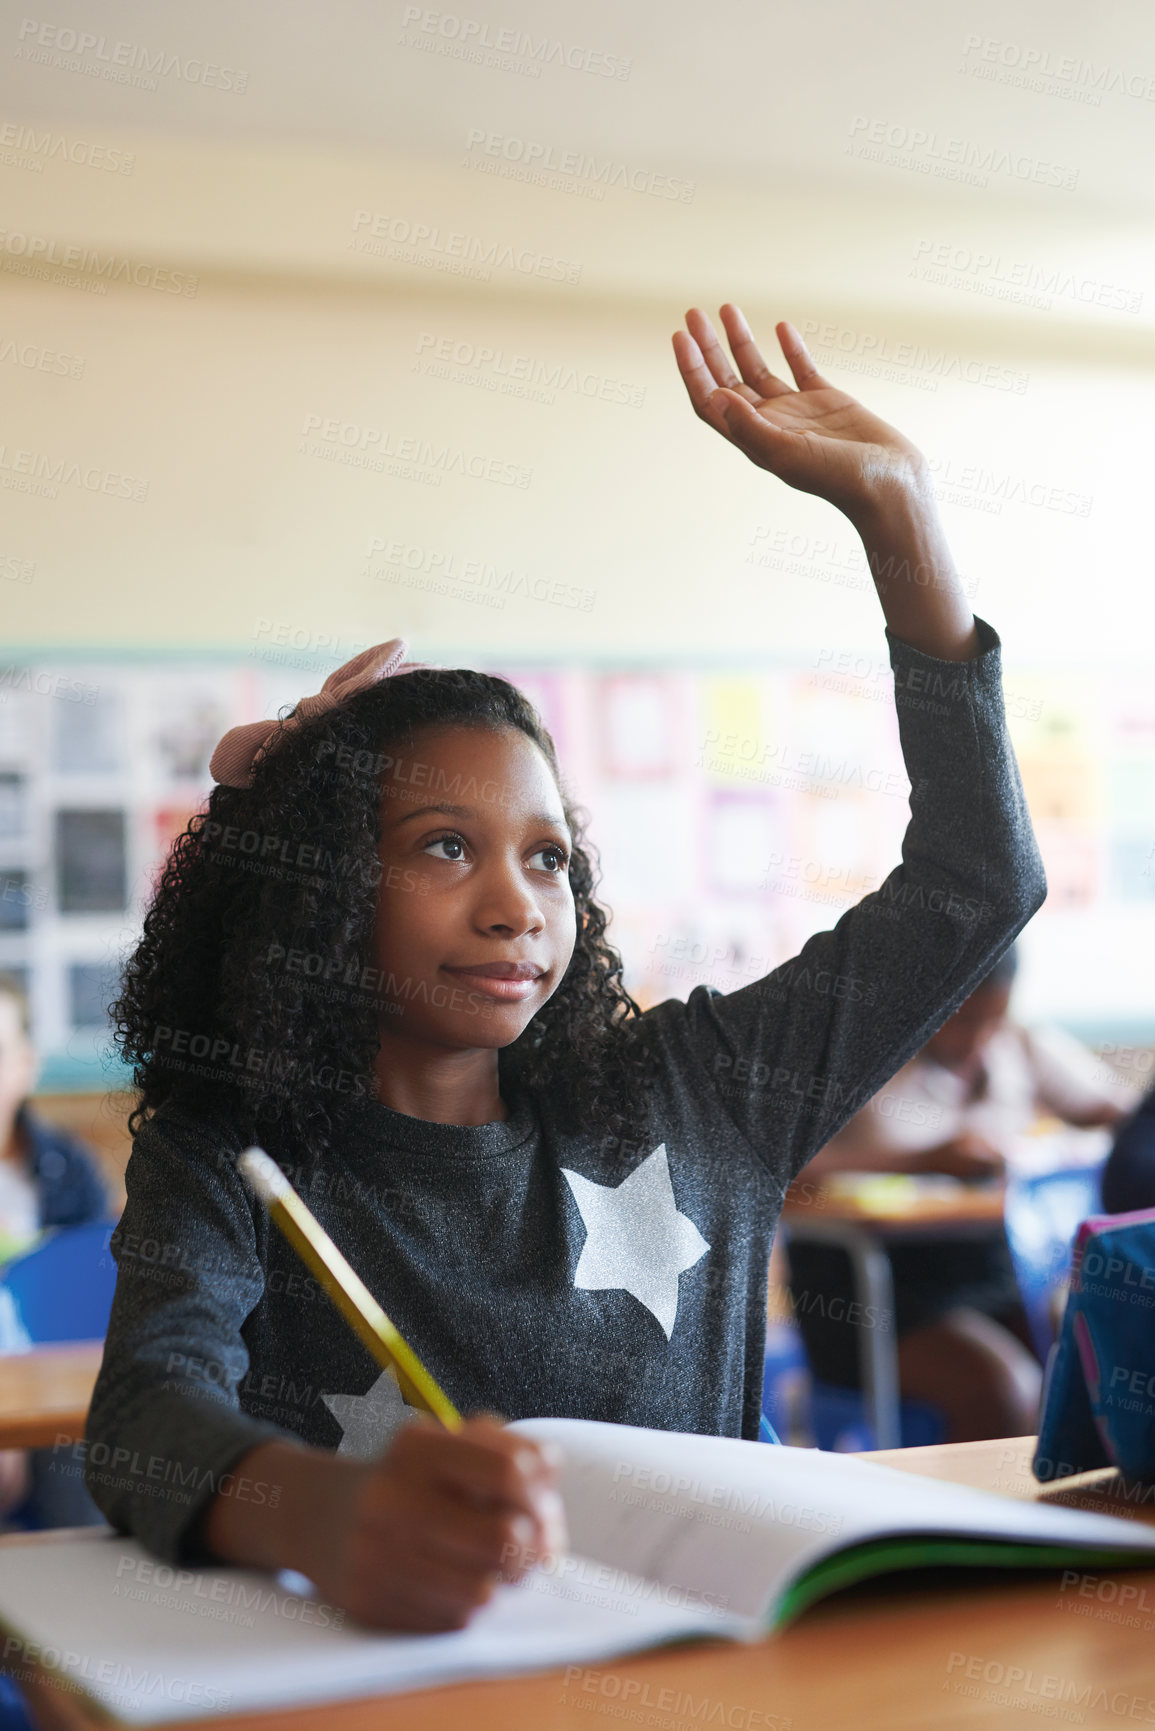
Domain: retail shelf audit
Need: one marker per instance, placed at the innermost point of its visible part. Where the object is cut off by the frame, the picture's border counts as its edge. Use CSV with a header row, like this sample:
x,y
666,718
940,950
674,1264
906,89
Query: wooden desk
x,y
862,1227
891,1658
973,1206
45,1393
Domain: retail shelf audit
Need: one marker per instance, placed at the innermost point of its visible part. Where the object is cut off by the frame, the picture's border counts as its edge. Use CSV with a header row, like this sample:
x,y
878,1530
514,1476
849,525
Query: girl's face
x,y
474,856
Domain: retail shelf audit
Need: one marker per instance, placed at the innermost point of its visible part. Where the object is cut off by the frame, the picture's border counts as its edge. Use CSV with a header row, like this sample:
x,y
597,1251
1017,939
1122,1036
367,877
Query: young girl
x,y
379,955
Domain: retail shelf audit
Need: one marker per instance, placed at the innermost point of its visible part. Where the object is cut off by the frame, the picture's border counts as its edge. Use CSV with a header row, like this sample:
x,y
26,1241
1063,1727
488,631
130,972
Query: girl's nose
x,y
507,902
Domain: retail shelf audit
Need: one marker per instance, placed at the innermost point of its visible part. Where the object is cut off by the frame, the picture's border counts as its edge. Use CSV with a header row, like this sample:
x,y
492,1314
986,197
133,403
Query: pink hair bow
x,y
235,756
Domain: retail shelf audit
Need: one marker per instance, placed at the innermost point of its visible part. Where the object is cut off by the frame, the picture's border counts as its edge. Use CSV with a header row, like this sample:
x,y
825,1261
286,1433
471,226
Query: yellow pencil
x,y
348,1292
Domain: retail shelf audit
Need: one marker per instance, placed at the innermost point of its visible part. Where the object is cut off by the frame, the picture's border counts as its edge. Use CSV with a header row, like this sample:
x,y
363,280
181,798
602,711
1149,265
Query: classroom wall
x,y
266,418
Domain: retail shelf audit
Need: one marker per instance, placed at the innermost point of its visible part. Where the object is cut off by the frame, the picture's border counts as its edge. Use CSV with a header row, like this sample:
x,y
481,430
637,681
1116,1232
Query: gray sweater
x,y
529,1274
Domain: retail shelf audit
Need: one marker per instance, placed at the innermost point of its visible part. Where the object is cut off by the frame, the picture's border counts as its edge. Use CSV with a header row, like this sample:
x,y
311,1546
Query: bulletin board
x,y
734,812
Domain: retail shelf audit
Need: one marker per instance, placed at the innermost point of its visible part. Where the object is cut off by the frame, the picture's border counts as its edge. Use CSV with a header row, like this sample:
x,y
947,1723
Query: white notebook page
x,y
155,1645
741,1521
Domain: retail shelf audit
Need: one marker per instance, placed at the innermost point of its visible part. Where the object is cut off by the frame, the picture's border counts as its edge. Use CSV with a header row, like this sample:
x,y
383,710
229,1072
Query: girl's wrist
x,y
910,561
317,1509
899,502
297,1523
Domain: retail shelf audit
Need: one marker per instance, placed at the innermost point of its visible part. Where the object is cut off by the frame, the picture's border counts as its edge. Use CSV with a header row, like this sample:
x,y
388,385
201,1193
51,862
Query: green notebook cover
x,y
884,1556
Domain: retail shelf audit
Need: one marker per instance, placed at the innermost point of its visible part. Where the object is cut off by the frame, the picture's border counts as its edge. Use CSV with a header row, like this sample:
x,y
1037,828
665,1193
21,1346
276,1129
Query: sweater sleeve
x,y
792,1057
165,1426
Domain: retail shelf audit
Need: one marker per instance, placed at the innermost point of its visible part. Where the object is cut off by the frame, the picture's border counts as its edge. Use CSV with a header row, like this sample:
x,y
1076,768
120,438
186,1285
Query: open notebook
x,y
674,1537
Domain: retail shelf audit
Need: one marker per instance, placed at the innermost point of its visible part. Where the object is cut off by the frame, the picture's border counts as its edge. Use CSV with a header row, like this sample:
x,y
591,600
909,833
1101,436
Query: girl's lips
x,y
510,991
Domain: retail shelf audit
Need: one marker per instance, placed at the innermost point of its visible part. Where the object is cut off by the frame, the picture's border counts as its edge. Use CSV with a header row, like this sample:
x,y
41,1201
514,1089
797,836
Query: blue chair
x,y
840,1420
785,1377
59,1290
14,1711
62,1288
1042,1215
796,1403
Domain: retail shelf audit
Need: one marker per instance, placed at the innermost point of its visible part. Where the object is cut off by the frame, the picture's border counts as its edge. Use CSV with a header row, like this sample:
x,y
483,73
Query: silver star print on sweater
x,y
637,1240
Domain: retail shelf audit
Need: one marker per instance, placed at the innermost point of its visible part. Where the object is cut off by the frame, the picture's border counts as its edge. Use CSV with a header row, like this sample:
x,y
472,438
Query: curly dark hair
x,y
292,863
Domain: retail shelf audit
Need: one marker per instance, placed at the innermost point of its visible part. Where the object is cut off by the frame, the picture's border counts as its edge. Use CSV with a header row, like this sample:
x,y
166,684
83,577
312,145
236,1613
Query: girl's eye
x,y
447,841
559,855
456,841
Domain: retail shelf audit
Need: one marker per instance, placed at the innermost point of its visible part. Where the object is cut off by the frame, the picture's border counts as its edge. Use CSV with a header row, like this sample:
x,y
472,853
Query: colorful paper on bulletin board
x,y
1056,724
1132,870
13,803
1131,719
838,713
545,690
1073,862
1131,796
188,717
1063,789
15,724
641,726
168,822
89,738
735,742
1054,715
91,861
16,897
835,851
92,987
741,833
646,833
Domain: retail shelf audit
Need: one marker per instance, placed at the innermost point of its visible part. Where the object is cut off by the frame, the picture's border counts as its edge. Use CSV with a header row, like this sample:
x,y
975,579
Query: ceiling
x,y
765,93
817,152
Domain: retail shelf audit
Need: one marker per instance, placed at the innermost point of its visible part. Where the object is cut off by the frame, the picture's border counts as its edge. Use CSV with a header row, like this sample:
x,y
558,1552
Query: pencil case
x,y
1099,1393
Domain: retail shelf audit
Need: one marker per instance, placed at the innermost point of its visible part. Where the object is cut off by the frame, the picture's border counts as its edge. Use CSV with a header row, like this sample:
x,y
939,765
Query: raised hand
x,y
815,438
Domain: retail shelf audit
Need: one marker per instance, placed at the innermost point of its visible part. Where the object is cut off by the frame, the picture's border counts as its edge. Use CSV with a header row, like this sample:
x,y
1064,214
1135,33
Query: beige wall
x,y
241,535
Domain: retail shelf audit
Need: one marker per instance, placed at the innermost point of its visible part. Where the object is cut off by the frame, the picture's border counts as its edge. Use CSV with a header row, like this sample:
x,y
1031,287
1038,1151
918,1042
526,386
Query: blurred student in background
x,y
1129,1175
47,1178
955,1108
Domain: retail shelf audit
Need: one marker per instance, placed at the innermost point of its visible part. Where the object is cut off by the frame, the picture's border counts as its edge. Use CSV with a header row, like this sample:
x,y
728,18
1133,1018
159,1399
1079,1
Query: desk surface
x,y
977,1206
891,1657
45,1393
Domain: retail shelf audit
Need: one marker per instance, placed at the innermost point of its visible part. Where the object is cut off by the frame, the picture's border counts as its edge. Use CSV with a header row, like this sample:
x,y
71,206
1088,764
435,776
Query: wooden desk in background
x,y
989,1653
971,1205
45,1393
859,1219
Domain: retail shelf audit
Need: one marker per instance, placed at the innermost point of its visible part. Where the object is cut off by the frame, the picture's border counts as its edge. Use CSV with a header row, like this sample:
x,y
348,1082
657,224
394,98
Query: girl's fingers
x,y
473,1539
806,374
749,356
715,356
699,382
435,1594
483,1464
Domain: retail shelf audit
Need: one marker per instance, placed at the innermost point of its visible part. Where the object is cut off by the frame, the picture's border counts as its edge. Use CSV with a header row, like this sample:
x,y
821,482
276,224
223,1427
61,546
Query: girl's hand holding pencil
x,y
418,1539
413,1542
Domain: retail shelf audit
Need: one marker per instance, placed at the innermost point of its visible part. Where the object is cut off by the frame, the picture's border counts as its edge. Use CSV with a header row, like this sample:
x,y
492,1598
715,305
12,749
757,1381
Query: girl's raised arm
x,y
791,1057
